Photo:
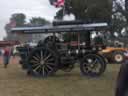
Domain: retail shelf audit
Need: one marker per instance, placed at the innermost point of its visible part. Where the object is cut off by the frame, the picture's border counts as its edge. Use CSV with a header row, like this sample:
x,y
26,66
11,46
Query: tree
x,y
16,20
37,21
88,9
120,16
19,18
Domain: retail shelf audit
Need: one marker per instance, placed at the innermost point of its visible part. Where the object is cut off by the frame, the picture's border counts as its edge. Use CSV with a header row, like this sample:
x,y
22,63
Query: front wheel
x,y
92,65
43,62
118,57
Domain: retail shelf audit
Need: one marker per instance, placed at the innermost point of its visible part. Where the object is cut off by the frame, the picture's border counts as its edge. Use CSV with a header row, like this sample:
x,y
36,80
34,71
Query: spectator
x,y
6,56
0,51
122,81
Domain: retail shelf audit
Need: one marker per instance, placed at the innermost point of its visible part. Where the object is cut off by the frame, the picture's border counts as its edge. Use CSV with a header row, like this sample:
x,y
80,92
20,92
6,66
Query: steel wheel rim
x,y
92,67
43,63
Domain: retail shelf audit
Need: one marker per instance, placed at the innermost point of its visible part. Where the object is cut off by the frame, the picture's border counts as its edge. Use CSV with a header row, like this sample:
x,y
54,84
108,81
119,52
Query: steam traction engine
x,y
52,54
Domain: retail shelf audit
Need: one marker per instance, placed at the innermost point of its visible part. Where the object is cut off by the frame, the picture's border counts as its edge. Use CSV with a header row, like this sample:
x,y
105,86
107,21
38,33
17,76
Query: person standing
x,y
6,56
122,81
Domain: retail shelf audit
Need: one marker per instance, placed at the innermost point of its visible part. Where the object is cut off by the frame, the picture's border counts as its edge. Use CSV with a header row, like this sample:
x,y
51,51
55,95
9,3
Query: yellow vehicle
x,y
114,55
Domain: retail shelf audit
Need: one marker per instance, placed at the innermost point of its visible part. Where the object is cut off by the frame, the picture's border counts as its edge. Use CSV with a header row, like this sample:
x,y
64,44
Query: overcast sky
x,y
29,7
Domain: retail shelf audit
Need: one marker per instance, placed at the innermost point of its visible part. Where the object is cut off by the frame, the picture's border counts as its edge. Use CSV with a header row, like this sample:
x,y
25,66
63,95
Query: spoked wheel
x,y
43,62
92,65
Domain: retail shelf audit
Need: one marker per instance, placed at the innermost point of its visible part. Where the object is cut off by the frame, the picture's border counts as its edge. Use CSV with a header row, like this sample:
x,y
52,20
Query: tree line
x,y
19,20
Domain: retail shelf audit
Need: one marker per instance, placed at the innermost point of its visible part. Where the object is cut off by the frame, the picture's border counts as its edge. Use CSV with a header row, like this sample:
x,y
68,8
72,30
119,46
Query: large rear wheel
x,y
92,65
43,62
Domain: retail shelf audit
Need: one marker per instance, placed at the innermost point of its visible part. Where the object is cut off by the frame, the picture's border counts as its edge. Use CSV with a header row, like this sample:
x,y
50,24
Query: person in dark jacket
x,y
122,81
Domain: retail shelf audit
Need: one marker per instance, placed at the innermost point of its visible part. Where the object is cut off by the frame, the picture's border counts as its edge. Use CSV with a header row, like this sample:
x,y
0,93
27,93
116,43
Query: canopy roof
x,y
66,27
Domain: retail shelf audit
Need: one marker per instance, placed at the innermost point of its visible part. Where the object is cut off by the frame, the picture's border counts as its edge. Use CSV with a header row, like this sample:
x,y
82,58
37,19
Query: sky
x,y
31,8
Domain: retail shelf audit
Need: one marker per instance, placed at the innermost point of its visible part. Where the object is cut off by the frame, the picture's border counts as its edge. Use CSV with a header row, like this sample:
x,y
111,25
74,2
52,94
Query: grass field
x,y
15,82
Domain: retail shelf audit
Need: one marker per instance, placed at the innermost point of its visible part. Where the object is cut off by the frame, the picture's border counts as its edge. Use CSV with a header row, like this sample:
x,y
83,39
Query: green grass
x,y
15,82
